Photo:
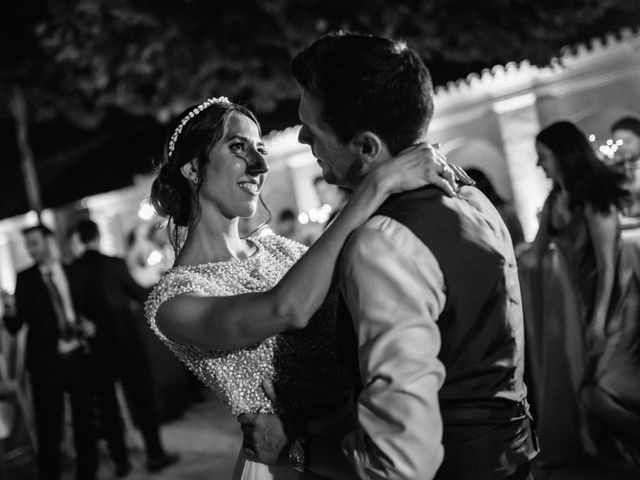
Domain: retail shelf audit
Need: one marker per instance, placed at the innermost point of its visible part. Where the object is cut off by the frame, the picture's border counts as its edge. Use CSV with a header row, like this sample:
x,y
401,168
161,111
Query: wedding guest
x,y
601,295
106,294
146,258
627,158
57,358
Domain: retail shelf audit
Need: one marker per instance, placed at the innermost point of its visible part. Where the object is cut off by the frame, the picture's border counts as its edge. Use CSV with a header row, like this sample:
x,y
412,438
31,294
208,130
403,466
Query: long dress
x,y
303,364
607,381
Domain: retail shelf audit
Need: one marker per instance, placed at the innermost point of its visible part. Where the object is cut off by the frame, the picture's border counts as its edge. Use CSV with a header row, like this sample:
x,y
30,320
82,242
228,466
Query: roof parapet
x,y
514,73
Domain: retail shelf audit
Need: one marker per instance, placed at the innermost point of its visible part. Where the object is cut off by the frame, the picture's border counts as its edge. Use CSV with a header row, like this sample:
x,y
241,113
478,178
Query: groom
x,y
431,313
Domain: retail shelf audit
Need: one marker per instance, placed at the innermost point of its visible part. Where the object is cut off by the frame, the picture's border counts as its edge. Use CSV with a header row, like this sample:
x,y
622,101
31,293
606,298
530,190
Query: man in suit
x,y
626,132
108,294
431,315
56,358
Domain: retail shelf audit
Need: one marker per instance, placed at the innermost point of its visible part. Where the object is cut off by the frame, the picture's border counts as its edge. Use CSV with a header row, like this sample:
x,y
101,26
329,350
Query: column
x,y
519,124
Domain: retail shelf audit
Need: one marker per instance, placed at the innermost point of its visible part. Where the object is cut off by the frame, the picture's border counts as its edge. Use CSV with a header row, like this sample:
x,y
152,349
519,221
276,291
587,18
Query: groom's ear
x,y
369,147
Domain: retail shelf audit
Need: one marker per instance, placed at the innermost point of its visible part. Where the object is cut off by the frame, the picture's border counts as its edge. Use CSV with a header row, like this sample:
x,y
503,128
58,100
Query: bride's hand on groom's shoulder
x,y
267,436
419,165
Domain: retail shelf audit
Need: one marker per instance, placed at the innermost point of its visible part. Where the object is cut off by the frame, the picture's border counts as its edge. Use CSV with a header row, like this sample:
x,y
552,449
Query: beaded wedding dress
x,y
303,364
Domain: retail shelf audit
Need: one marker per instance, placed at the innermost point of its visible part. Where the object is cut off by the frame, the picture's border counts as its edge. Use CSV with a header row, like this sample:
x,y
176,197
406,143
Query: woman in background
x,y
602,313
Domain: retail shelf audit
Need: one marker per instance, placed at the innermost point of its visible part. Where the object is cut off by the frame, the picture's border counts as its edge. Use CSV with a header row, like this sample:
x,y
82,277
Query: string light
x,y
609,148
146,210
316,215
154,258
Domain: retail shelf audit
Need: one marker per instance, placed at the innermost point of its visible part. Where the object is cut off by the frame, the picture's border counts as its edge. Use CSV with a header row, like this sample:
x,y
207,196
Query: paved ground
x,y
208,438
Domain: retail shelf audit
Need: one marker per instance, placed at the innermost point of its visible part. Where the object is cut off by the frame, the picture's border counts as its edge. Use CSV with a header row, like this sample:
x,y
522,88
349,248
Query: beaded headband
x,y
207,103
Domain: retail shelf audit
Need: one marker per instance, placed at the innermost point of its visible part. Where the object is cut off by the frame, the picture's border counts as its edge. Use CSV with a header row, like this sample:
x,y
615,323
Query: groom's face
x,y
339,162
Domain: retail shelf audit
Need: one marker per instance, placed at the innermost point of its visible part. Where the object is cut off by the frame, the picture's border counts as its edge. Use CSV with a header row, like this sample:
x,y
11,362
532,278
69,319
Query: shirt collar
x,y
52,268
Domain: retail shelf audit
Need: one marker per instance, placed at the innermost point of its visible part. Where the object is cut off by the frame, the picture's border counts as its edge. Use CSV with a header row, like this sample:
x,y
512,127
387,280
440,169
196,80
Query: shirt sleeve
x,y
394,289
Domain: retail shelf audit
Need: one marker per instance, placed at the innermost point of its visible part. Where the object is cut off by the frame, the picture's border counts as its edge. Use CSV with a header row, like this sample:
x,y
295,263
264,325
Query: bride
x,y
238,311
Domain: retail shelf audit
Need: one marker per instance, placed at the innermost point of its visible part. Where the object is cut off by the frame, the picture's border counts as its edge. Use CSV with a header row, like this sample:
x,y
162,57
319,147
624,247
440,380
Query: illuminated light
x,y
146,211
592,138
303,218
314,215
326,208
155,257
48,217
323,215
31,217
265,231
607,151
619,141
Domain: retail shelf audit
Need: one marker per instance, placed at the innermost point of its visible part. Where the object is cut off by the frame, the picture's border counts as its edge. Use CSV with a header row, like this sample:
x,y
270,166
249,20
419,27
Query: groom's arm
x,y
394,289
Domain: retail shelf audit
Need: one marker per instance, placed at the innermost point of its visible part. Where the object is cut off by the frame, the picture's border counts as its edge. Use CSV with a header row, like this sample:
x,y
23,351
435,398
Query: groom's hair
x,y
368,83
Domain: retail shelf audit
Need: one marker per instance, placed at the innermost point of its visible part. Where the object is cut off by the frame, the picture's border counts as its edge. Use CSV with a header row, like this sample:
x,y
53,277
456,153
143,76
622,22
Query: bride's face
x,y
236,170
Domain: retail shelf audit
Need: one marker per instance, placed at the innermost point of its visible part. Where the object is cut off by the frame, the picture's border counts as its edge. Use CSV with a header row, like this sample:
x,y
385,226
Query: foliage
x,y
159,56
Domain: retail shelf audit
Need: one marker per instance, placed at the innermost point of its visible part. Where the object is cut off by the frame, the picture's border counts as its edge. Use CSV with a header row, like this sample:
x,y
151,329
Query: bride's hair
x,y
191,136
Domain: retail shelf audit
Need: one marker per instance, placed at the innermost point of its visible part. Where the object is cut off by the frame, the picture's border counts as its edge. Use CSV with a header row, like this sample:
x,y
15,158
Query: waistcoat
x,y
483,398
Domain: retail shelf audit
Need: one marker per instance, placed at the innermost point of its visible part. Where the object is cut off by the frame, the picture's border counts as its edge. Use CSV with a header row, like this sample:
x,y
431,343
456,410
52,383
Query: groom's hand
x,y
266,436
265,440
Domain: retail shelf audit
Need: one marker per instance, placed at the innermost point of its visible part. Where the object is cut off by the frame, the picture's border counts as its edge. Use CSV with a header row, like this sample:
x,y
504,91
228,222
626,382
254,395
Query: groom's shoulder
x,y
437,218
431,200
426,204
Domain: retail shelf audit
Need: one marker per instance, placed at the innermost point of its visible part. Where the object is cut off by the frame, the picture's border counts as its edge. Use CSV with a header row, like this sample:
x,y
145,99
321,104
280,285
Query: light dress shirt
x,y
394,289
60,280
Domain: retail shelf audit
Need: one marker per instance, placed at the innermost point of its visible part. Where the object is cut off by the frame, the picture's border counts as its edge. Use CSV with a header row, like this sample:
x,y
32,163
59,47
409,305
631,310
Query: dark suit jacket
x,y
106,293
34,309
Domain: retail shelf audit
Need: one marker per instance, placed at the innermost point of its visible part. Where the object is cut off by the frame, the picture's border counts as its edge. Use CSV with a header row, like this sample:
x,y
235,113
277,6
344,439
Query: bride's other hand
x,y
415,167
267,436
460,176
264,437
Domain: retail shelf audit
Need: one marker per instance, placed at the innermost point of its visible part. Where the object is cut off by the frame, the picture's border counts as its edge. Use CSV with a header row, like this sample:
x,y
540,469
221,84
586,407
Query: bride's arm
x,y
225,323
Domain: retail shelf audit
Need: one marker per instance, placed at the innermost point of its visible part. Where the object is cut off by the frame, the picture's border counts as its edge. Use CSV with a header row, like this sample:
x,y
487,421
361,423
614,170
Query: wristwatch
x,y
296,454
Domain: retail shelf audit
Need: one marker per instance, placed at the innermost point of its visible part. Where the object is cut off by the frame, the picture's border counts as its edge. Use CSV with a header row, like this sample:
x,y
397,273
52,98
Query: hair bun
x,y
170,193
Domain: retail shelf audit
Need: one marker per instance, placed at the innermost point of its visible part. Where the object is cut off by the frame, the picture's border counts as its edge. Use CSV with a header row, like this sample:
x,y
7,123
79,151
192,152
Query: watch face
x,y
296,455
